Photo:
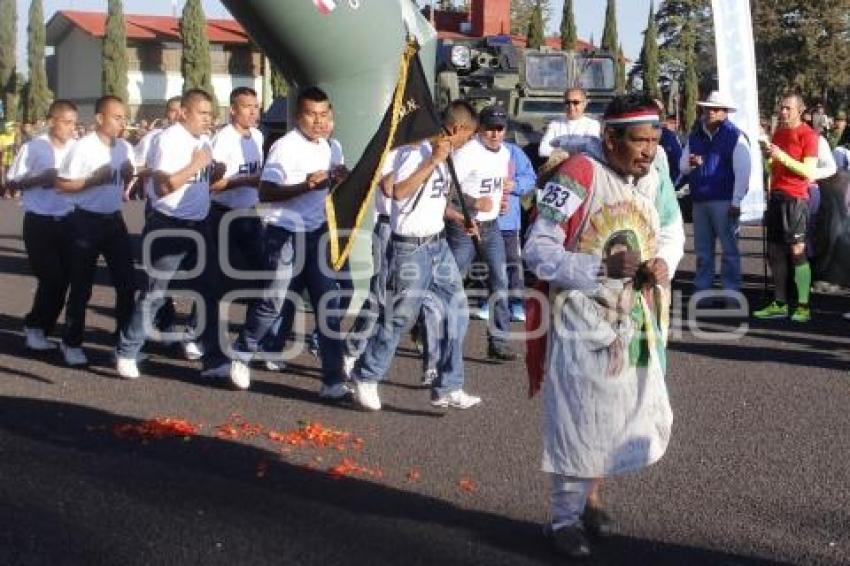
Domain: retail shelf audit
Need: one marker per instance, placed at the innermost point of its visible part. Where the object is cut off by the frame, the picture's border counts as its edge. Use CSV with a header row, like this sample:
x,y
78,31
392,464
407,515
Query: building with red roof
x,y
154,48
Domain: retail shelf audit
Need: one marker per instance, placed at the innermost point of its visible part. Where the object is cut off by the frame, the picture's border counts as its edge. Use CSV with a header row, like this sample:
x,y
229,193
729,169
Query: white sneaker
x,y
127,368
846,316
348,365
274,366
366,395
240,375
335,392
458,399
429,377
36,340
73,356
192,350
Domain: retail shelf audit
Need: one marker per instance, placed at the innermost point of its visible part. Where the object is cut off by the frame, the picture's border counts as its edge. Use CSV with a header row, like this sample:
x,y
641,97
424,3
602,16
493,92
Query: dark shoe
x,y
570,542
501,354
597,522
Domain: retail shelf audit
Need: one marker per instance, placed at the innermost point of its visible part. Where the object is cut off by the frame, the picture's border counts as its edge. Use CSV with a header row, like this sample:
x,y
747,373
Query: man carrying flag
x,y
607,239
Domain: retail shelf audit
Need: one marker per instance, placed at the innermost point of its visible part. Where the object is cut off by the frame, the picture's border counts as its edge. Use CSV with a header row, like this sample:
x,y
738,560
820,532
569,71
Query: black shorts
x,y
786,219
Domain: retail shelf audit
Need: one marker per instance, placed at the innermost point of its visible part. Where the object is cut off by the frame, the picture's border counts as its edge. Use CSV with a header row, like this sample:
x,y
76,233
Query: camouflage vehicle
x,y
529,83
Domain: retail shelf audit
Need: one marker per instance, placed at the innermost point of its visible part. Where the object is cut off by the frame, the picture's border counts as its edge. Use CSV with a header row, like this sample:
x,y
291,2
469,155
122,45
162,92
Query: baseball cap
x,y
493,116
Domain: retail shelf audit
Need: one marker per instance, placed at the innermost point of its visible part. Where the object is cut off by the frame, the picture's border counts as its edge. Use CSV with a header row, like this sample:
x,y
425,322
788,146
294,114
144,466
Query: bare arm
x,y
407,187
273,192
165,183
235,181
99,176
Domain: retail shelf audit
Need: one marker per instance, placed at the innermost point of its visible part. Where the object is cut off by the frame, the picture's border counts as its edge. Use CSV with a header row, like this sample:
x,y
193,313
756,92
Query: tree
x,y
521,11
279,85
8,36
671,17
569,35
649,56
802,46
611,44
536,35
38,95
689,100
195,63
114,74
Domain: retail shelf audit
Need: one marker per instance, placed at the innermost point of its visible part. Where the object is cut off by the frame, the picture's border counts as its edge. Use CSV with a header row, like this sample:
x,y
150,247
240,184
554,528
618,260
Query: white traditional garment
x,y
606,406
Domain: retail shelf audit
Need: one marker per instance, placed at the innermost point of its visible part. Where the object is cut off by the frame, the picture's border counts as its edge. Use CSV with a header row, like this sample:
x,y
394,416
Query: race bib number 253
x,y
558,202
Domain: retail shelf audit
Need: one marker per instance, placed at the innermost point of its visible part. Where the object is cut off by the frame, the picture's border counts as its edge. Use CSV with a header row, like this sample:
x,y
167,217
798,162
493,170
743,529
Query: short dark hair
x,y
193,95
625,104
460,112
60,105
172,100
102,102
313,94
241,91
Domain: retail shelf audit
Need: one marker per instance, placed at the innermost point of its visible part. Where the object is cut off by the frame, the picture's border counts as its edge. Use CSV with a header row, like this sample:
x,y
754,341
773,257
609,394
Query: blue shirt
x,y
670,142
524,177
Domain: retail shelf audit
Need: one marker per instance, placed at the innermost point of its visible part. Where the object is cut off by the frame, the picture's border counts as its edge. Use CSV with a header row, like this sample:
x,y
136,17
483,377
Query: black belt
x,y
178,221
224,208
384,218
50,217
487,223
98,215
418,240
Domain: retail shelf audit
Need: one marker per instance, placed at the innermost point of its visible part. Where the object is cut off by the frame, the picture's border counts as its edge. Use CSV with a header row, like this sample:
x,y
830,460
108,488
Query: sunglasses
x,y
573,102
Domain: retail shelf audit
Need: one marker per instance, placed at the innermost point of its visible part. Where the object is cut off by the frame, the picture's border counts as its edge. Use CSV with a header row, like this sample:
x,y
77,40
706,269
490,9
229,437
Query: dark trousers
x,y
48,247
513,263
93,235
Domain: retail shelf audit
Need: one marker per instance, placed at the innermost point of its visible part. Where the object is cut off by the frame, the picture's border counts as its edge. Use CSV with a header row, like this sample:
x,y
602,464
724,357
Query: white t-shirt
x,y
142,153
570,135
384,205
85,157
35,157
243,156
172,151
290,160
482,173
421,214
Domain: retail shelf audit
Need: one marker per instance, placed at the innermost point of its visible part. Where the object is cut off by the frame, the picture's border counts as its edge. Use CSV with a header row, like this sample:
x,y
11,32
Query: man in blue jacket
x,y
509,223
717,163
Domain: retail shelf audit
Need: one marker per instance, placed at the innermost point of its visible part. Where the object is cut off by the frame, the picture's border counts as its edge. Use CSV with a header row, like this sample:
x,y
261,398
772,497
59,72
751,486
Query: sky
x,y
589,14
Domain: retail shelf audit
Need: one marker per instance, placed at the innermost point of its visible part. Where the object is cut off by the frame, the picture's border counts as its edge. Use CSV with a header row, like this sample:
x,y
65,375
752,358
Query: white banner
x,y
736,72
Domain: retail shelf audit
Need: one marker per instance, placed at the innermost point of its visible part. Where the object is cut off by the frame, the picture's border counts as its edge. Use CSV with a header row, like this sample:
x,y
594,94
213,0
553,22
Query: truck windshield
x,y
546,71
595,73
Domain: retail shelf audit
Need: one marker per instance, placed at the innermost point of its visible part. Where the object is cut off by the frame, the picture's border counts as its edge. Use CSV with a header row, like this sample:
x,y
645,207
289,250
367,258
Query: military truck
x,y
529,83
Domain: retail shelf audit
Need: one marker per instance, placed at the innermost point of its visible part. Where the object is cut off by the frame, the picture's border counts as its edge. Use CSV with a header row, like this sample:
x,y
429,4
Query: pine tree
x,y
8,37
38,95
671,17
279,85
611,44
195,63
521,11
691,87
569,35
114,48
536,37
649,56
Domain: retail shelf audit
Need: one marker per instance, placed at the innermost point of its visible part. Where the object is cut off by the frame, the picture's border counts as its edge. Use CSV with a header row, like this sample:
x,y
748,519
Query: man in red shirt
x,y
793,154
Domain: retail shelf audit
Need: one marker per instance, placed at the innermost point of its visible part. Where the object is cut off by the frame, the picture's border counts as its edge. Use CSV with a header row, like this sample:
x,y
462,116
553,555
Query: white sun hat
x,y
717,100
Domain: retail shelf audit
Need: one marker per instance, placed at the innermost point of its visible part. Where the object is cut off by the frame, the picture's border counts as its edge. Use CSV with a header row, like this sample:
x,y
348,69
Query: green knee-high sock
x,y
803,279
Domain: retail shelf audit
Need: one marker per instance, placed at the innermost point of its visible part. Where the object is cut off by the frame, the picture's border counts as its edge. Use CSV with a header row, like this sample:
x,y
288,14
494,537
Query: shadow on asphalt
x,y
86,497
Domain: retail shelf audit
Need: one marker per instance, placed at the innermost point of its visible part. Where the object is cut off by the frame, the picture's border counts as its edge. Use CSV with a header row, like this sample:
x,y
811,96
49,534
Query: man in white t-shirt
x,y
182,169
45,230
94,175
142,149
422,263
483,168
573,134
297,174
239,146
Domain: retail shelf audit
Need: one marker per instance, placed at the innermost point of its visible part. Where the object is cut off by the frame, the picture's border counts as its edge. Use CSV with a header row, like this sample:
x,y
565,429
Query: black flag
x,y
411,117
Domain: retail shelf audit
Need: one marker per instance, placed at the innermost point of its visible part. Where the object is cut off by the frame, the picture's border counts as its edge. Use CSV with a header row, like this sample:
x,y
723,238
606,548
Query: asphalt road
x,y
758,471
